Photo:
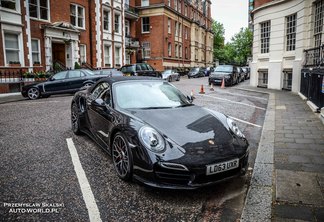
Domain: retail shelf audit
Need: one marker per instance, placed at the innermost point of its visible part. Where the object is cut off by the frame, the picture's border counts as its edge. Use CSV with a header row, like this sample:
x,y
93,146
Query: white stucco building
x,y
283,29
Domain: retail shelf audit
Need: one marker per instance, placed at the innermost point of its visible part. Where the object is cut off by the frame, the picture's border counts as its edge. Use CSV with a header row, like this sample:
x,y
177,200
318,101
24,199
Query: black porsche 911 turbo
x,y
156,136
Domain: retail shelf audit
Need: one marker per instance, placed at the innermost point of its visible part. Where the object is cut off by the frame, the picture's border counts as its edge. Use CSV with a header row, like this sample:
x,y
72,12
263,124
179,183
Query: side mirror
x,y
51,79
99,103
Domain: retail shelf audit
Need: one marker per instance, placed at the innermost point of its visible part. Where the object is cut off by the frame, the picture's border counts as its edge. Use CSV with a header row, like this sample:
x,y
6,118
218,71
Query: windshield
x,y
148,95
224,69
194,70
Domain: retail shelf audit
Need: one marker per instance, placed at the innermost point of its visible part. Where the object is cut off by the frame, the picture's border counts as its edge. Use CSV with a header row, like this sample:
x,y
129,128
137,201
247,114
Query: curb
x,y
258,202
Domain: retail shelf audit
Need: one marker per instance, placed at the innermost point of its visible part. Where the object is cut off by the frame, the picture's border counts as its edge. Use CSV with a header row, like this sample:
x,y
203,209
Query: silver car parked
x,y
170,75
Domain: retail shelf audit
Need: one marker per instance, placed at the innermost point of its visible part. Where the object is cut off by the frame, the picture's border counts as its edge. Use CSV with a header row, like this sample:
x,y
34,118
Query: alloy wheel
x,y
75,119
33,93
121,157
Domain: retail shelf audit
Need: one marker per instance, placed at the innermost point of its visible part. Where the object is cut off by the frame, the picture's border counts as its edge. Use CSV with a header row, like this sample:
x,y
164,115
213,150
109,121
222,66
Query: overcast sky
x,y
233,14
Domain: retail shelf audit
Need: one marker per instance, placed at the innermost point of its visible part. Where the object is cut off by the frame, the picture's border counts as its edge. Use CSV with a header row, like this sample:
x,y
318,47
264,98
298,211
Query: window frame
x,y
318,23
18,50
265,32
16,9
291,26
76,16
148,24
146,49
118,31
38,8
38,52
117,58
107,56
84,46
108,21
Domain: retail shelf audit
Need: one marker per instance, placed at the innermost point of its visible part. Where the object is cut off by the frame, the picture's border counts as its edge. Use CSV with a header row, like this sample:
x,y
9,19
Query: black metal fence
x,y
312,85
314,57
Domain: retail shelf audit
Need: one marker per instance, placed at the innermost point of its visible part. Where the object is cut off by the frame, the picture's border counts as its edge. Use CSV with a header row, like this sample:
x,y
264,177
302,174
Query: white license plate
x,y
221,167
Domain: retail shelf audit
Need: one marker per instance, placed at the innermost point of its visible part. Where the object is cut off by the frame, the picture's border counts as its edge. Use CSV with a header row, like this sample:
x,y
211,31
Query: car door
x,y
75,80
57,83
100,112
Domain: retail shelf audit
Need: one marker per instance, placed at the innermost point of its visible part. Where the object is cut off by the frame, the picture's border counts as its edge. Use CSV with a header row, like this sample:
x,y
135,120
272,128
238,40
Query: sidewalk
x,y
288,177
10,97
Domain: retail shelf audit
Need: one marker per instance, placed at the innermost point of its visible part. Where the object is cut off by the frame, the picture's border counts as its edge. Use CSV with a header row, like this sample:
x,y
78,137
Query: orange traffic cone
x,y
211,87
202,91
223,84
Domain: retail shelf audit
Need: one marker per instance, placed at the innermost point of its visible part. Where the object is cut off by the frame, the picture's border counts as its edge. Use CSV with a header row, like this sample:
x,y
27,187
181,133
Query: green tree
x,y
219,32
242,46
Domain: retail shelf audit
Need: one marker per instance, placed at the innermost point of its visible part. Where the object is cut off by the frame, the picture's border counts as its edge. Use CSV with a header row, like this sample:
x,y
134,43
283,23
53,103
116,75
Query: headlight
x,y
227,77
232,125
151,139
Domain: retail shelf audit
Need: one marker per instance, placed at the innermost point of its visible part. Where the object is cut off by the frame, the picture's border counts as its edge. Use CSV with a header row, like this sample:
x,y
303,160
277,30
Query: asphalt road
x,y
38,170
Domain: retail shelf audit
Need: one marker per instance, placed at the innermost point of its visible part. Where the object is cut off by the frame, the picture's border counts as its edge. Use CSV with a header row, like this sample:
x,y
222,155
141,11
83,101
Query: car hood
x,y
220,74
196,130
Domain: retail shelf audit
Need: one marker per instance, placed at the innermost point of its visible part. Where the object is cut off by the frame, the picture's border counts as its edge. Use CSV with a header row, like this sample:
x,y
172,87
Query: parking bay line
x,y
237,94
243,121
257,107
93,211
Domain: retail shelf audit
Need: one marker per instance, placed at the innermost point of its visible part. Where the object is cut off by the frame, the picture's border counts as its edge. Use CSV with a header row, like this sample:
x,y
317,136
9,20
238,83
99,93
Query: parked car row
x,y
230,74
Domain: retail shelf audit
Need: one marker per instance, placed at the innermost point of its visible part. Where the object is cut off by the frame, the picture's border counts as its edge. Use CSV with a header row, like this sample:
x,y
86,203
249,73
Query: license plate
x,y
221,167
127,74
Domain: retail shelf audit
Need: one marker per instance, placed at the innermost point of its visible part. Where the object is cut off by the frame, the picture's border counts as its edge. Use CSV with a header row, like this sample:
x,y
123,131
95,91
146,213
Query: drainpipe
x,y
90,34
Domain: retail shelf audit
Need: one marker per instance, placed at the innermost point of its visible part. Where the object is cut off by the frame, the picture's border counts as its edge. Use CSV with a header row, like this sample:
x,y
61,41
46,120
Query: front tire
x,y
122,157
75,119
33,93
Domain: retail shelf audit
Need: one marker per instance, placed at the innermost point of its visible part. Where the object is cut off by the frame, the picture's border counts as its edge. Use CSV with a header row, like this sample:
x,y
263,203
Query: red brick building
x,y
42,35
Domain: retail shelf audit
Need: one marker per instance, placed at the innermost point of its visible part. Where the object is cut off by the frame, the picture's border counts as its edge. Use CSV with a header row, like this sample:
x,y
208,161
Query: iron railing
x,y
314,57
312,85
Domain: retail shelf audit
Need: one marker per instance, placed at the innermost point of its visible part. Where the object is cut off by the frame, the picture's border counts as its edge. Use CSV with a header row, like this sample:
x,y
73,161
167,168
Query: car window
x,y
74,74
138,68
149,67
60,75
98,90
126,69
143,67
105,95
87,72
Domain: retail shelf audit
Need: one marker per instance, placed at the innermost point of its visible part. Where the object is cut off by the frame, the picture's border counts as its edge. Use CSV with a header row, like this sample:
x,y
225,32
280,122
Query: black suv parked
x,y
227,72
140,69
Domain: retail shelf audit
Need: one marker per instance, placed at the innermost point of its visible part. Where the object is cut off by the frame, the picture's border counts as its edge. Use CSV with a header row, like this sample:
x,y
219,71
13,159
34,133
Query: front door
x,y
58,50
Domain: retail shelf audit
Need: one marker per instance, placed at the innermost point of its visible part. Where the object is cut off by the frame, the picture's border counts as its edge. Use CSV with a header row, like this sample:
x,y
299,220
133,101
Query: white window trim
x,y
38,12
145,3
85,52
39,51
109,19
119,23
13,10
21,50
76,16
109,55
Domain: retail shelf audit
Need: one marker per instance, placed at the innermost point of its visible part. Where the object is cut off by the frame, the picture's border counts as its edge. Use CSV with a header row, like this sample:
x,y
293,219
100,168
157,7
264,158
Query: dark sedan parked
x,y
156,136
227,72
69,81
196,72
140,69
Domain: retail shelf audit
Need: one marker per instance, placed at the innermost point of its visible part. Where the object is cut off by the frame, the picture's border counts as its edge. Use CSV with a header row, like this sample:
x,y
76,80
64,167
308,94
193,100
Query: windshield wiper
x,y
184,105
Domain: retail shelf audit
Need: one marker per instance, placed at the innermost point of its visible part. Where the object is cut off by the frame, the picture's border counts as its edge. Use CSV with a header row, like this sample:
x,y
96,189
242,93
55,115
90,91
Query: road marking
x,y
257,107
237,94
87,194
243,121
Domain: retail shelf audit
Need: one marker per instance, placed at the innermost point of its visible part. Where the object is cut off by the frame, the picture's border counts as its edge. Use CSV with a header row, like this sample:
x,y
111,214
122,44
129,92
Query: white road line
x,y
87,194
17,103
244,104
243,121
237,94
